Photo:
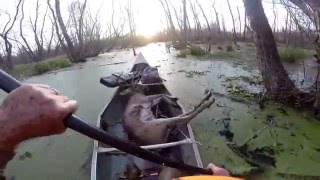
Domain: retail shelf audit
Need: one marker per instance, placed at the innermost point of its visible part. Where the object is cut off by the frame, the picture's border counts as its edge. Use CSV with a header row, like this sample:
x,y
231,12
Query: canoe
x,y
110,165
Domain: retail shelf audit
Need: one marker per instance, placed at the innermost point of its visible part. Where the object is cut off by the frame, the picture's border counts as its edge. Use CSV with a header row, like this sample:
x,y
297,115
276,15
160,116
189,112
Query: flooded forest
x,y
259,58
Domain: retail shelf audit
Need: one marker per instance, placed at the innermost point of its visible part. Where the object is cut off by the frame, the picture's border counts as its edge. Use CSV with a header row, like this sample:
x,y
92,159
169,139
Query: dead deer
x,y
141,123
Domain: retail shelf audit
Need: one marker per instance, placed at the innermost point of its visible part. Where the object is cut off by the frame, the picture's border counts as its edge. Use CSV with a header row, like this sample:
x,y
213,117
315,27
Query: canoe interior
x,y
110,167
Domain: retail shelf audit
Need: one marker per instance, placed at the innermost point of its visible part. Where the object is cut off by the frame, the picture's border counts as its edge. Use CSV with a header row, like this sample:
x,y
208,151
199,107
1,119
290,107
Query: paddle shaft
x,y
8,84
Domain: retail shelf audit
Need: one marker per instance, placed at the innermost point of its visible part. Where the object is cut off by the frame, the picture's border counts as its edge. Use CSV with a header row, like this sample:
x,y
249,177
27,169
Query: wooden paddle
x,y
8,84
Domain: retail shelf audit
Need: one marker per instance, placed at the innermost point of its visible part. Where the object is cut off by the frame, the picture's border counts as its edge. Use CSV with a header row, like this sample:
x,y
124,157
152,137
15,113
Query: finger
x,y
50,90
211,167
55,91
218,170
71,106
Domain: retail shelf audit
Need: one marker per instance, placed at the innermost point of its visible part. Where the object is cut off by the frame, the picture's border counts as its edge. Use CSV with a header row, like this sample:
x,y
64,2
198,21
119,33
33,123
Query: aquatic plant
x,y
197,51
31,69
292,55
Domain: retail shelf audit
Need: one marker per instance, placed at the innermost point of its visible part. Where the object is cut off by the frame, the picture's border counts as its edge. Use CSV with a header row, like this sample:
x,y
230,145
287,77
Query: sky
x,y
148,14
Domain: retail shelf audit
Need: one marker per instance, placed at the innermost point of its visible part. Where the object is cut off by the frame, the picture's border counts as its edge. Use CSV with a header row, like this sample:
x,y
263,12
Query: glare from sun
x,y
149,17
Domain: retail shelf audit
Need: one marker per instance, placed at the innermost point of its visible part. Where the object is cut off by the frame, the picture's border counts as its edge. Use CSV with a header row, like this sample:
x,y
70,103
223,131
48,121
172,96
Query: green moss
x,y
247,79
192,73
239,93
292,55
27,70
231,78
293,137
197,51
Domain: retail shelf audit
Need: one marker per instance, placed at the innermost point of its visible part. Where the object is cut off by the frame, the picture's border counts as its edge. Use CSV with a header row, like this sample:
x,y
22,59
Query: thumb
x,y
218,171
71,106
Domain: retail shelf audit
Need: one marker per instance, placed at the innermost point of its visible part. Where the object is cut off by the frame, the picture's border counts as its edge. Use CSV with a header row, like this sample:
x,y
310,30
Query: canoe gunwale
x,y
96,143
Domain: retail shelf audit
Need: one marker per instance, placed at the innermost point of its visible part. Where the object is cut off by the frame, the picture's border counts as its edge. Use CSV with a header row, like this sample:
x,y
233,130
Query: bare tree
x,y
309,7
208,37
289,32
245,25
49,45
185,27
26,43
223,24
239,19
4,35
38,32
73,54
299,20
57,31
196,20
39,40
178,17
131,24
117,28
274,16
286,28
233,23
204,15
166,9
81,35
217,17
77,12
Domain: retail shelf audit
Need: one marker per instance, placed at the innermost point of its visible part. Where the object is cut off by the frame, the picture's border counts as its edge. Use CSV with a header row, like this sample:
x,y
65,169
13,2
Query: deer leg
x,y
186,117
206,97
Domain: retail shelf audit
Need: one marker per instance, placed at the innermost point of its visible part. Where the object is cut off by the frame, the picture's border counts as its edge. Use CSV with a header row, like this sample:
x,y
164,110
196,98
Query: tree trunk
x,y
58,35
289,33
131,26
208,34
28,47
286,28
75,57
275,77
233,23
245,26
9,62
8,46
171,27
185,27
4,35
223,24
80,38
197,25
217,18
240,24
179,21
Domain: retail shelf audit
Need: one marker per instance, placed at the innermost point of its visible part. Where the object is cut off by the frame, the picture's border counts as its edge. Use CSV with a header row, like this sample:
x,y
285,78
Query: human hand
x,y
218,171
33,111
